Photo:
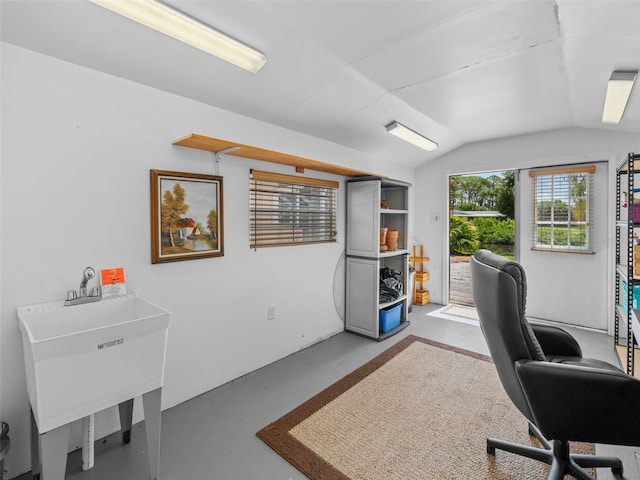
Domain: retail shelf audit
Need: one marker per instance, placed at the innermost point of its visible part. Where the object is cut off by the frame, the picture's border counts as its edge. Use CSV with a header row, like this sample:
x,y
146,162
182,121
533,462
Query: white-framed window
x,y
291,210
562,199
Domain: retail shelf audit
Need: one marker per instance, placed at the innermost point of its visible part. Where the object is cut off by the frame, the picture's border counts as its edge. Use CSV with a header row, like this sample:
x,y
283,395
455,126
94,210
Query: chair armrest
x,y
571,402
556,341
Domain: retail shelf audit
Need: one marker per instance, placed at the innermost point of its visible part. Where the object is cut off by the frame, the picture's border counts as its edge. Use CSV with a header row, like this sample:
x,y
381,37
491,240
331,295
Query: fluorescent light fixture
x,y
173,23
399,130
618,91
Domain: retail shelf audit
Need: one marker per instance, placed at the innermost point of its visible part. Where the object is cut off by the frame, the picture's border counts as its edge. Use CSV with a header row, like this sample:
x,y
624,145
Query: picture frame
x,y
187,220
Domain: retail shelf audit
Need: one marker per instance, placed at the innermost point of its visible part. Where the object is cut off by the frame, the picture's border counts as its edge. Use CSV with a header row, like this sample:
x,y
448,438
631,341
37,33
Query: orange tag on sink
x,y
112,282
112,276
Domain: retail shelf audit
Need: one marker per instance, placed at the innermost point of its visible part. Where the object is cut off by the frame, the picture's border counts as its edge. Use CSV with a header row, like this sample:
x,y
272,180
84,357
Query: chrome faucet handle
x,y
84,294
87,275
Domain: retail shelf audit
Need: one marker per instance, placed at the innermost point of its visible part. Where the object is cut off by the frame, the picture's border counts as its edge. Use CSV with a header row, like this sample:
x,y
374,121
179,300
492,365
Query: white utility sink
x,y
85,358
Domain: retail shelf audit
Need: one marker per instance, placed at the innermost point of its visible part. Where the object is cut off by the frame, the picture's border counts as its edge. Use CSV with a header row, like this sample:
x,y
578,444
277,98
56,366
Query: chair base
x,y
556,454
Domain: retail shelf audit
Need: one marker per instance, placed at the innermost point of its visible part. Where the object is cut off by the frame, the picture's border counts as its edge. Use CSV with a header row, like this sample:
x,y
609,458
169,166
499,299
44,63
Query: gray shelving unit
x,y
364,259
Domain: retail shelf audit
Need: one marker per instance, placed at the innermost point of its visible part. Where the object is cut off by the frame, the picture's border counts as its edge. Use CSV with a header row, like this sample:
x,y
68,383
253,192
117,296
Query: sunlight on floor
x,y
457,313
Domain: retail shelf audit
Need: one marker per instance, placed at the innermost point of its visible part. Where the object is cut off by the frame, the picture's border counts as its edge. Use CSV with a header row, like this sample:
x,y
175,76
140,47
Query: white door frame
x,y
446,273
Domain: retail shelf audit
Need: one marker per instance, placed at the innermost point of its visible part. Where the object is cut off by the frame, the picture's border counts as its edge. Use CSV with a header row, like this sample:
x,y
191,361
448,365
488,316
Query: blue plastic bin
x,y
636,296
390,317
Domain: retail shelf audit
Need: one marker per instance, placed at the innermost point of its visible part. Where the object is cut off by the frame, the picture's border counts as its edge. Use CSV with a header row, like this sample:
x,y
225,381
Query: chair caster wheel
x,y
491,450
617,471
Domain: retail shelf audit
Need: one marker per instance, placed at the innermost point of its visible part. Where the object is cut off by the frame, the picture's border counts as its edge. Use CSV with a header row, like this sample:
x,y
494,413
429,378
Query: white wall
x,y
556,147
77,147
557,290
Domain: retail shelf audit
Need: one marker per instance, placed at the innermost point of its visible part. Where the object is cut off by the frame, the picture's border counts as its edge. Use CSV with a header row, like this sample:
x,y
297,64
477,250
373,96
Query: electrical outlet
x,y
271,312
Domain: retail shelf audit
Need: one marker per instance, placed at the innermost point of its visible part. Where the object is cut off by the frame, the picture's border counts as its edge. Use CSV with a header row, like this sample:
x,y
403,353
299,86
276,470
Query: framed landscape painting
x,y
186,216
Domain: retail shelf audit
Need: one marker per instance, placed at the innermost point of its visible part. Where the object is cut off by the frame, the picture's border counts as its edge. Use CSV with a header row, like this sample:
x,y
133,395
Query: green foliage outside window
x,y
561,211
561,236
495,230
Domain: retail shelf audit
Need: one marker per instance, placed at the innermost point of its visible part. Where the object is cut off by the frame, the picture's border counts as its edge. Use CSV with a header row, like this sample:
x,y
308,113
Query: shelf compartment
x,y
635,323
627,224
399,223
393,198
422,297
382,306
422,276
622,271
389,318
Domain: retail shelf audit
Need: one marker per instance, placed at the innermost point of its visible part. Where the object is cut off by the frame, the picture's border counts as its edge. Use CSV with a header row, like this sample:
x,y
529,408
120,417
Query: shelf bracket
x,y
218,155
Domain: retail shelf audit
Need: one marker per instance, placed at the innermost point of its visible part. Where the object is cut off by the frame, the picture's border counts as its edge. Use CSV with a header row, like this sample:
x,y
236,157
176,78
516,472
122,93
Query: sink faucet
x,y
83,295
87,275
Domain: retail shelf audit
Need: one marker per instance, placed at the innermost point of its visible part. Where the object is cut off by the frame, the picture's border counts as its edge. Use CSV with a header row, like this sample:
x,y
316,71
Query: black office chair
x,y
564,396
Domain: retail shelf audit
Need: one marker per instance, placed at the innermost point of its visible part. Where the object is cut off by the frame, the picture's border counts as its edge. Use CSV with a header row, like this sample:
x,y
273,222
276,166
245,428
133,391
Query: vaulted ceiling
x,y
456,71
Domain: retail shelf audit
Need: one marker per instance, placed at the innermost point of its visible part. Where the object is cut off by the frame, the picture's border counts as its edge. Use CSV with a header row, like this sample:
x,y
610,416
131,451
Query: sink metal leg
x,y
49,450
88,439
54,448
126,419
151,402
36,466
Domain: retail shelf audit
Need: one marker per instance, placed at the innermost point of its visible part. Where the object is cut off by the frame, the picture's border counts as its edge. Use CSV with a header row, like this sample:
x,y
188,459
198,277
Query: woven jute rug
x,y
420,410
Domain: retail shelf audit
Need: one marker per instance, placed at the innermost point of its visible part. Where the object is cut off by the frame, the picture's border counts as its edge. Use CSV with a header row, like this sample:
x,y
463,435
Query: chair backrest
x,y
499,292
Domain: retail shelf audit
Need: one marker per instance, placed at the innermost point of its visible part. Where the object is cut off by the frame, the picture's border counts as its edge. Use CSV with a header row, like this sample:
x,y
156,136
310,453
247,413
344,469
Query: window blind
x,y
562,200
291,210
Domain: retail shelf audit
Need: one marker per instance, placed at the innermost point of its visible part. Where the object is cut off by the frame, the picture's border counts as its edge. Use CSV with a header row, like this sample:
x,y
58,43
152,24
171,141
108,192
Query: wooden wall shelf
x,y
202,142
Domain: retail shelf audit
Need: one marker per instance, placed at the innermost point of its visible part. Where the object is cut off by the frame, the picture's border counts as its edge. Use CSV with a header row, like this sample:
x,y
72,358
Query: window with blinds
x,y
562,199
291,210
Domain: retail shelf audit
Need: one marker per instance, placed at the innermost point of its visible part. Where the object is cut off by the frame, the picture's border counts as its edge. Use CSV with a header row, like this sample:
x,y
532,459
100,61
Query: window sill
x,y
560,250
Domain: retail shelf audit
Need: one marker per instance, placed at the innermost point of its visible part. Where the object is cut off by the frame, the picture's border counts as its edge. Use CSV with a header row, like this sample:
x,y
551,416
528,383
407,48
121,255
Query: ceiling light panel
x,y
408,135
173,23
618,91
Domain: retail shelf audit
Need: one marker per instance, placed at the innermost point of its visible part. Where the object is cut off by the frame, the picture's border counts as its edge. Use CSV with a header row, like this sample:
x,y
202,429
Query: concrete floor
x,y
213,436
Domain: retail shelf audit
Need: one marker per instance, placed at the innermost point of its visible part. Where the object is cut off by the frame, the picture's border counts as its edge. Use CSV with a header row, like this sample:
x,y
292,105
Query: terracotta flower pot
x,y
383,235
383,238
392,240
